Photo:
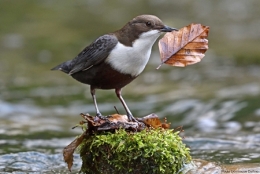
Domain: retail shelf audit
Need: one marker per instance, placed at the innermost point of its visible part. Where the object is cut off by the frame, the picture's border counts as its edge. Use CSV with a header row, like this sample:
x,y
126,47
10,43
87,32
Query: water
x,y
218,110
223,130
35,162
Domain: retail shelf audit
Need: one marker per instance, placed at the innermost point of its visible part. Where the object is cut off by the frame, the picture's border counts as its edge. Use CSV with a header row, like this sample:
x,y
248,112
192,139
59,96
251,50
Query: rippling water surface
x,y
223,129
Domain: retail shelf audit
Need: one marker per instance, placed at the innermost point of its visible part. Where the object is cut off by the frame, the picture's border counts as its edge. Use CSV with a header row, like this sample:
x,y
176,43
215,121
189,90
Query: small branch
x,y
116,110
159,65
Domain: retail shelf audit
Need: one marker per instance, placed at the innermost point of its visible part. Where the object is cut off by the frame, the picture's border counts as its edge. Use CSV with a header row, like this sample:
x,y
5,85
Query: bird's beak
x,y
168,29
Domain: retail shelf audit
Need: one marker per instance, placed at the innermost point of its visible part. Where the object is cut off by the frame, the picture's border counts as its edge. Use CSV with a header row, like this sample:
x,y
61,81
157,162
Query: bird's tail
x,y
64,67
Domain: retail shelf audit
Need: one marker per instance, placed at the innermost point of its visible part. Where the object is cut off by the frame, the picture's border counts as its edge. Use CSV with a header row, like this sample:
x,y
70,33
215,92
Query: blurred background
x,y
217,101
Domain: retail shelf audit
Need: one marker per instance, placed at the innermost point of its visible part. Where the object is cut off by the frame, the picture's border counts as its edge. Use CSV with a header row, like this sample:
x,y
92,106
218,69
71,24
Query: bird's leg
x,y
128,112
92,91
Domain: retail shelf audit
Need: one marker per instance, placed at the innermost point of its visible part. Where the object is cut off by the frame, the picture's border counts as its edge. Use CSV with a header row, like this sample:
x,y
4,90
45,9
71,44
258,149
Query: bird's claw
x,y
99,116
132,118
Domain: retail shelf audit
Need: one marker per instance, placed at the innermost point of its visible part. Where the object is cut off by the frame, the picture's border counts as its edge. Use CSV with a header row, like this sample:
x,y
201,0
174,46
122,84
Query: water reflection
x,y
31,162
224,150
224,129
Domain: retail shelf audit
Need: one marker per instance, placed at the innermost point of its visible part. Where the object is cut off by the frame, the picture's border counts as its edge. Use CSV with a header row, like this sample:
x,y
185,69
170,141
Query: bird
x,y
115,59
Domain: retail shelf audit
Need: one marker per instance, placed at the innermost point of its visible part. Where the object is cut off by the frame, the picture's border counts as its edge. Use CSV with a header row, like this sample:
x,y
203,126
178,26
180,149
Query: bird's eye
x,y
148,24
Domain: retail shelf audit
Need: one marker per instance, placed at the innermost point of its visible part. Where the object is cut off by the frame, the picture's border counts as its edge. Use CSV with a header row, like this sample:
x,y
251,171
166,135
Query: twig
x,y
116,110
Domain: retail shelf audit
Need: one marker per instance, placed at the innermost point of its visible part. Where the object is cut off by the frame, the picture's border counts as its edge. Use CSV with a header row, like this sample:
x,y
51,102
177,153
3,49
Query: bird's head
x,y
145,27
147,23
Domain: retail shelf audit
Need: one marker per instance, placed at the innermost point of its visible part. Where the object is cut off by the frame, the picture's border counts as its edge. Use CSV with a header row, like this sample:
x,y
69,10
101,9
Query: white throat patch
x,y
132,60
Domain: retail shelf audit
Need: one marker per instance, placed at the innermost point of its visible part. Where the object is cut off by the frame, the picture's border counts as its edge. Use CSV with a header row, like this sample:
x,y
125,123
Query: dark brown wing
x,y
93,54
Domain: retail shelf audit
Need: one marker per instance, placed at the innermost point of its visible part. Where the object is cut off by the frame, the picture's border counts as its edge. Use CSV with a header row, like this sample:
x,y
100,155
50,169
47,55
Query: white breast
x,y
132,60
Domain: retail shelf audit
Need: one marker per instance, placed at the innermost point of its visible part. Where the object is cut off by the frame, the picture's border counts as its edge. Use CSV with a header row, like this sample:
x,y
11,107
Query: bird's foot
x,y
132,118
99,116
140,124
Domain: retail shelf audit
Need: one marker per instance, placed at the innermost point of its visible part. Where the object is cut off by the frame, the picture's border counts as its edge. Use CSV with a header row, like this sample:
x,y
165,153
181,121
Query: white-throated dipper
x,y
114,60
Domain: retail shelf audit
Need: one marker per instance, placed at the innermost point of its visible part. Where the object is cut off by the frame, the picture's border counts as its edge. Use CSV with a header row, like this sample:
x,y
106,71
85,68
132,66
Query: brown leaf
x,y
152,120
184,47
111,122
69,150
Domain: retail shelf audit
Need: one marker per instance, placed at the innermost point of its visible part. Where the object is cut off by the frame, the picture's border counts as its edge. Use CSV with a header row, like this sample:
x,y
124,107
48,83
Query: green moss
x,y
148,151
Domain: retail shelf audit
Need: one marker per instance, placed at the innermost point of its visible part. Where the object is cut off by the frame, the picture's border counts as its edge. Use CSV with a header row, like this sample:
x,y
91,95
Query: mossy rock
x,y
149,151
